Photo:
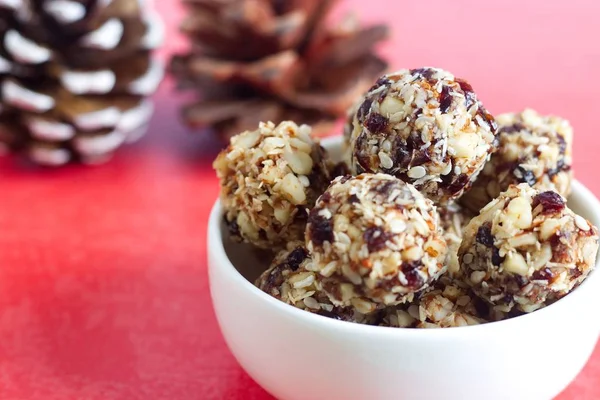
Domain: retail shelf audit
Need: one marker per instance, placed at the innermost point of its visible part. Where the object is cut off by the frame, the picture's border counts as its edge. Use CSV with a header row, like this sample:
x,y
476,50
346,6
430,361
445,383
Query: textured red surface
x,y
103,284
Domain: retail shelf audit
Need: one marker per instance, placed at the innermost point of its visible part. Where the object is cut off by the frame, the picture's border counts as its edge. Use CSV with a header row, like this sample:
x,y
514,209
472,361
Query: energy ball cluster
x,y
436,217
377,237
270,178
425,127
527,248
534,149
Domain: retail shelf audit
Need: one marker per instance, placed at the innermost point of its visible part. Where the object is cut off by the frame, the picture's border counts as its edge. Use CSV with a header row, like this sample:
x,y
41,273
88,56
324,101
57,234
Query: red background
x,y
103,284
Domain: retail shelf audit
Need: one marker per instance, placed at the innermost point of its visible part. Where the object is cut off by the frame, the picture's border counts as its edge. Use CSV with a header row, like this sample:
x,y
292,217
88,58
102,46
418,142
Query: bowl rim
x,y
216,250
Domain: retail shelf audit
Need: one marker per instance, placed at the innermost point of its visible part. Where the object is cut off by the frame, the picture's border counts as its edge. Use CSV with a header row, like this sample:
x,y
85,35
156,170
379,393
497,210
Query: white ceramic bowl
x,y
296,355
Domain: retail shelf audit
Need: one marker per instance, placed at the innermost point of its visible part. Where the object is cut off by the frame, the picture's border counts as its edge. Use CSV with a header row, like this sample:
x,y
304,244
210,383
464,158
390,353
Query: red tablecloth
x,y
103,284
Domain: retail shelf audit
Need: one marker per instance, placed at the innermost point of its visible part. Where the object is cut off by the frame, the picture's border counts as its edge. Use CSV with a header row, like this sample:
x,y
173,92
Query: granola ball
x,y
534,149
269,179
446,306
527,248
425,127
454,219
289,280
373,236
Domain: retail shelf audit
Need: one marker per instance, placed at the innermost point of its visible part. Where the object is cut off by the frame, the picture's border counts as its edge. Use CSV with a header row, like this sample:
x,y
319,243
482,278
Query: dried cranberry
x,y
353,199
320,228
361,152
516,127
544,274
420,158
575,273
481,307
401,156
411,273
275,279
445,99
489,118
325,197
359,168
551,202
465,86
426,73
560,166
562,144
376,123
520,280
484,236
496,259
468,91
386,188
524,176
414,141
383,81
456,185
375,238
296,257
363,110
332,289
345,178
302,213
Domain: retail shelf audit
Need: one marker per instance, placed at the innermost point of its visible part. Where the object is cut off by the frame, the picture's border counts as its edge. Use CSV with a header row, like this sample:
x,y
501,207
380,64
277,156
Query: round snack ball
x,y
425,127
533,149
527,248
373,236
453,219
269,179
446,306
289,280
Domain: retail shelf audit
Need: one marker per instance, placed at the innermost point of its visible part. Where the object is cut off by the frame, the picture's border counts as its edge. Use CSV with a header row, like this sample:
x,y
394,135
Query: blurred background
x,y
103,286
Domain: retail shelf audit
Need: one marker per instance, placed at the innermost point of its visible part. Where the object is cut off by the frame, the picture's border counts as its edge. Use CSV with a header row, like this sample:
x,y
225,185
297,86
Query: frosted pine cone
x,y
75,78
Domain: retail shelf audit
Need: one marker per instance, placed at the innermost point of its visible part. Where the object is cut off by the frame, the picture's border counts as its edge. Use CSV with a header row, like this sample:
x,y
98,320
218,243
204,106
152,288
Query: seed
x,y
385,160
310,302
581,223
304,180
477,276
417,172
468,258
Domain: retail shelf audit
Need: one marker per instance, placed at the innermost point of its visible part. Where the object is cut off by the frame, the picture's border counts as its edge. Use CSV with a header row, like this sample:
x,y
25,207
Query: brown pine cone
x,y
270,60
